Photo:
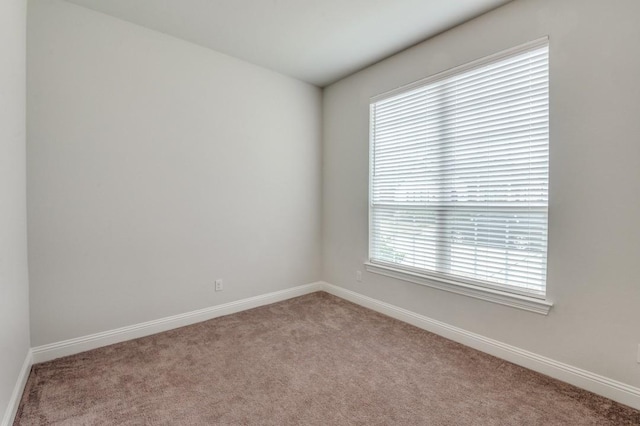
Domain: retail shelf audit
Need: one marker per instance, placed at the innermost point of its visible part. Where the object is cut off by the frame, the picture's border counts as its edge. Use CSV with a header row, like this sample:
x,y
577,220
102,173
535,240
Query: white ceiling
x,y
317,41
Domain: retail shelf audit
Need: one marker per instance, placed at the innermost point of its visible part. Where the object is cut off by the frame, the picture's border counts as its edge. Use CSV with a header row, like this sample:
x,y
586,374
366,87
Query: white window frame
x,y
450,283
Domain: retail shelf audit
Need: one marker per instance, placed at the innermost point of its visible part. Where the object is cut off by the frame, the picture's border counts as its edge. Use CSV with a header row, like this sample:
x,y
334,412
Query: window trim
x,y
514,300
458,285
540,42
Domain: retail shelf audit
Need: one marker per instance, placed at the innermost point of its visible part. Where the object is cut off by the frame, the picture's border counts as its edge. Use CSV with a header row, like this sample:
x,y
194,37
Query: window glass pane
x,y
459,175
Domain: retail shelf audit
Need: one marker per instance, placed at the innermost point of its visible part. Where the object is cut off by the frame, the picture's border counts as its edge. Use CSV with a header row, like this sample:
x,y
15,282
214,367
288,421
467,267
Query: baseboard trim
x,y
81,344
16,396
609,388
612,389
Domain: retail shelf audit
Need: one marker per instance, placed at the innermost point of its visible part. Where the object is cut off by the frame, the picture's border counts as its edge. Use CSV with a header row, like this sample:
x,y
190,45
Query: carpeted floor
x,y
313,360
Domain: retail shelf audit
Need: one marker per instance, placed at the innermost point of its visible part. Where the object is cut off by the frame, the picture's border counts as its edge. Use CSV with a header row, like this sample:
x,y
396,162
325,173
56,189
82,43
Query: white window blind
x,y
459,174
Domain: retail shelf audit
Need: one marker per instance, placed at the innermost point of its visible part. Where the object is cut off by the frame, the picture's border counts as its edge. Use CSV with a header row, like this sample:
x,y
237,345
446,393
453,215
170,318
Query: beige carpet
x,y
313,360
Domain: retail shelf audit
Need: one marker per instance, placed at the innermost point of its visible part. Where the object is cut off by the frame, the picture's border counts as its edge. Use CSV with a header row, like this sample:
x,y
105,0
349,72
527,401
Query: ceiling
x,y
317,41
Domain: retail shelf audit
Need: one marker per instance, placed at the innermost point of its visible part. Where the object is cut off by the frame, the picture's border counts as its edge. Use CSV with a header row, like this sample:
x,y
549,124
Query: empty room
x,y
337,212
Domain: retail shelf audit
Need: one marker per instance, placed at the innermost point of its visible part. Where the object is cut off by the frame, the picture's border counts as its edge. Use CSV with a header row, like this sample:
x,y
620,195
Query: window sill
x,y
527,303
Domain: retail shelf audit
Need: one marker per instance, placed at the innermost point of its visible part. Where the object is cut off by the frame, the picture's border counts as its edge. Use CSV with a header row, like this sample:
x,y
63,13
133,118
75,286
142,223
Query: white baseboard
x,y
595,383
105,338
592,382
16,395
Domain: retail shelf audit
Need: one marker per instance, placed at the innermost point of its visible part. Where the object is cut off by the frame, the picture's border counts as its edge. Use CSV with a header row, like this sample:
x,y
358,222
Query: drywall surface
x,y
14,285
594,234
155,167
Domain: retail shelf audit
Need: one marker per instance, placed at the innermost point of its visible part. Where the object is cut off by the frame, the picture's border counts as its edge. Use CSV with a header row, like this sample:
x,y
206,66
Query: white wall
x,y
155,167
594,240
14,286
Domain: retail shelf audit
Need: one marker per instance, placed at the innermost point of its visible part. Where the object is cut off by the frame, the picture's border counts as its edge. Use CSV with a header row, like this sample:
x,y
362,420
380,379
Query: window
x,y
459,175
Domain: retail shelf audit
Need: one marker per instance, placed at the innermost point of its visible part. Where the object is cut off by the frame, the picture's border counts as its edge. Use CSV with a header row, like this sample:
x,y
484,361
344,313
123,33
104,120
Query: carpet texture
x,y
312,360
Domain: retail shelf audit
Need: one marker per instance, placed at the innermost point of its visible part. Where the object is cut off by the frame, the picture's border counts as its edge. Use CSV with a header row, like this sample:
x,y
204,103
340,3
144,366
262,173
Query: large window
x,y
459,174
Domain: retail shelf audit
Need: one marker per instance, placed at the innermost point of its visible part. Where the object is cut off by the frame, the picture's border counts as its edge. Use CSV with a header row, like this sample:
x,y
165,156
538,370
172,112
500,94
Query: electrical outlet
x,y
219,286
359,276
